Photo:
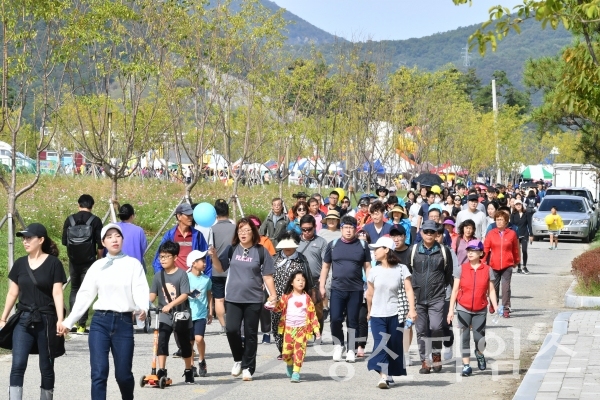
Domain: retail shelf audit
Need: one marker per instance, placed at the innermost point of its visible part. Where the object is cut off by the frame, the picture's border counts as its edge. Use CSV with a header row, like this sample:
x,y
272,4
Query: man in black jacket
x,y
276,222
79,263
431,273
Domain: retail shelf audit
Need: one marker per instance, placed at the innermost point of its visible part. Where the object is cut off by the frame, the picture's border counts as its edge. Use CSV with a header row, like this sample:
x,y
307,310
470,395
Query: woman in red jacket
x,y
502,249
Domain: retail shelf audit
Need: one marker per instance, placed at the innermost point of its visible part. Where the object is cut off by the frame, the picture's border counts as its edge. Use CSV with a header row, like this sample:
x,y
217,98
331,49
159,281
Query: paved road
x,y
537,299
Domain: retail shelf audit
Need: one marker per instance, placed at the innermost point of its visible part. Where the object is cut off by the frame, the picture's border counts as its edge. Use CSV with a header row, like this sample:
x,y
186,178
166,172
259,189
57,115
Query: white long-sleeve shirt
x,y
480,219
122,287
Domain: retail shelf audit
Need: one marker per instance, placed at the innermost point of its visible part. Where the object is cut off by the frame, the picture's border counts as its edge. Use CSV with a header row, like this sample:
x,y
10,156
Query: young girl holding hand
x,y
297,324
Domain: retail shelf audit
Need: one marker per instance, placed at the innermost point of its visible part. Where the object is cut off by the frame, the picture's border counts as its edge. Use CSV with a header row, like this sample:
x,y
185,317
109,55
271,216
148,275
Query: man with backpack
x,y
82,237
431,266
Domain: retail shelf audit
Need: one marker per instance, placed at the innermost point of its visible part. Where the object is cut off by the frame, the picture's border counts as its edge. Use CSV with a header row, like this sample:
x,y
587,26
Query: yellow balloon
x,y
341,192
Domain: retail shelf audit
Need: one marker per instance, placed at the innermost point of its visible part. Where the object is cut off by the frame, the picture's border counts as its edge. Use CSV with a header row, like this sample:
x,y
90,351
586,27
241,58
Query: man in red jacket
x,y
502,250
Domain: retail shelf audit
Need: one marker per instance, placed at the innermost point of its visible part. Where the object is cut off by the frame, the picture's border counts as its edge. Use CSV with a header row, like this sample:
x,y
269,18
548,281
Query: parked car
x,y
577,215
577,191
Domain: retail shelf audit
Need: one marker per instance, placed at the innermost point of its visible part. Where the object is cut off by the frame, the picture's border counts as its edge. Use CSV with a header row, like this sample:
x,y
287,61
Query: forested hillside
x,y
433,52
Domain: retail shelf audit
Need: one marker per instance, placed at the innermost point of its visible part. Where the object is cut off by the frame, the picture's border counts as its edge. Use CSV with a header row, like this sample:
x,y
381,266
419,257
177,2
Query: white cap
x,y
384,241
110,226
287,244
193,256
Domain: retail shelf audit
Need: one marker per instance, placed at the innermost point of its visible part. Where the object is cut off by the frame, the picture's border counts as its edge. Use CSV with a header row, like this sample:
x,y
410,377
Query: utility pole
x,y
495,107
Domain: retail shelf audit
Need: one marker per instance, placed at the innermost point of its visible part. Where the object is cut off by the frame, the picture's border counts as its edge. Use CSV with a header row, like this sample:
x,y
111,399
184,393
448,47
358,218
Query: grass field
x,y
54,198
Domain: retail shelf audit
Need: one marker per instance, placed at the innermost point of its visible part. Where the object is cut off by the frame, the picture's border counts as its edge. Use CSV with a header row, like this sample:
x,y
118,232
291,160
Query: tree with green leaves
x,y
569,82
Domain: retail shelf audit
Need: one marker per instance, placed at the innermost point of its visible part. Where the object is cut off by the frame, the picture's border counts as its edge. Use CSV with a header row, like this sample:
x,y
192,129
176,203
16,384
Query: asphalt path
x,y
536,299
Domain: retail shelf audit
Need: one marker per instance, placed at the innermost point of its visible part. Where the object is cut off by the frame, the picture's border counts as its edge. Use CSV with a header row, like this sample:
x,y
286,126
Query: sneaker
x,y
161,372
525,271
223,331
551,248
467,370
74,329
246,375
383,384
338,349
202,368
82,330
295,377
350,357
480,361
237,368
437,362
325,314
177,354
425,369
266,339
519,271
289,370
195,370
280,357
189,376
447,353
506,313
390,380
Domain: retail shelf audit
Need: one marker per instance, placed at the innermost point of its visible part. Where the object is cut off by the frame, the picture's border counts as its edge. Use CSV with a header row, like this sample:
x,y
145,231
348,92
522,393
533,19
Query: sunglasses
x,y
245,253
307,229
301,209
429,232
346,202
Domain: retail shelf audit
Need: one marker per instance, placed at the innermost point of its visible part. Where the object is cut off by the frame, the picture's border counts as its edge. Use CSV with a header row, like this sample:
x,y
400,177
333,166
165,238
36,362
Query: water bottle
x,y
408,323
496,317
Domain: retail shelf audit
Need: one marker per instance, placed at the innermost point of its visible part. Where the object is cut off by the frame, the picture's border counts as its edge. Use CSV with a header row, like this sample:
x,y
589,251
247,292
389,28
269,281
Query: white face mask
x,y
437,200
419,200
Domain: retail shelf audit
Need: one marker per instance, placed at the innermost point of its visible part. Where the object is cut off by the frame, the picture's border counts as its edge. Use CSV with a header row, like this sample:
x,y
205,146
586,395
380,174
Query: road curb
x,y
572,300
530,385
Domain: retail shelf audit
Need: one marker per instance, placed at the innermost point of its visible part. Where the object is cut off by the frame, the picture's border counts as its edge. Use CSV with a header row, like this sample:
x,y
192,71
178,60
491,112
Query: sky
x,y
390,19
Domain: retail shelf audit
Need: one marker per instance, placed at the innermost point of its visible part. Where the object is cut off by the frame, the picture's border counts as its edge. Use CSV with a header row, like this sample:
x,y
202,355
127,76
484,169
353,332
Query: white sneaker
x,y
246,375
237,368
350,357
383,384
338,349
447,353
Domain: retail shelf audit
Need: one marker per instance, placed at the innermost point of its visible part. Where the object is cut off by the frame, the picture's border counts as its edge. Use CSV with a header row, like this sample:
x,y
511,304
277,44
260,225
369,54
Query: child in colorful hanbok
x,y
297,324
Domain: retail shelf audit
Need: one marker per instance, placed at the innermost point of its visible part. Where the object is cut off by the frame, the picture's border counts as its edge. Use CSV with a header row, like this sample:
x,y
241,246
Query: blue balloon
x,y
205,215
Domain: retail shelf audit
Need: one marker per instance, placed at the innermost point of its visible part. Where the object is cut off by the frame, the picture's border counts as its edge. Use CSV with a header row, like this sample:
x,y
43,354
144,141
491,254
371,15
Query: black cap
x,y
35,229
397,229
472,197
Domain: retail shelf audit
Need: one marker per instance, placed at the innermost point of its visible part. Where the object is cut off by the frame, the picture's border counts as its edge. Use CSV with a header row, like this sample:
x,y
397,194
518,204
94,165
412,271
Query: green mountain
x,y
435,51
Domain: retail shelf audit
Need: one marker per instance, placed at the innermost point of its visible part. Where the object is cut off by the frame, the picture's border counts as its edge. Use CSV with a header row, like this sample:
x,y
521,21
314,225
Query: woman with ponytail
x,y
37,281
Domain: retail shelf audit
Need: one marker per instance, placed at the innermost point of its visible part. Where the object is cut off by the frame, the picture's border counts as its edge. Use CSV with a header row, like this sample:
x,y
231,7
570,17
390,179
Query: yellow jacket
x,y
554,222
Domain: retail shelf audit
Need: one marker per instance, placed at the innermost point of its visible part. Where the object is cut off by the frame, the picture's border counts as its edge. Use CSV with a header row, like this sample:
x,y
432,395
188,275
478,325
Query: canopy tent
x,y
215,161
537,172
376,167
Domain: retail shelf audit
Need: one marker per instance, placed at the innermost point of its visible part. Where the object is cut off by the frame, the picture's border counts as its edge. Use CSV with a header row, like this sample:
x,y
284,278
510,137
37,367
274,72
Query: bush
x,y
586,269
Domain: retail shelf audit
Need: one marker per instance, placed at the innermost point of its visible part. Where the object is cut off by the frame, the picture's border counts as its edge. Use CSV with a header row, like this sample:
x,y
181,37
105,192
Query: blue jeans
x,y
24,338
111,331
388,350
347,303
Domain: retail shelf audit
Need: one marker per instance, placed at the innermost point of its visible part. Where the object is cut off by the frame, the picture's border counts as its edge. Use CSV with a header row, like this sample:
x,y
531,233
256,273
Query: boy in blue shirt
x,y
200,298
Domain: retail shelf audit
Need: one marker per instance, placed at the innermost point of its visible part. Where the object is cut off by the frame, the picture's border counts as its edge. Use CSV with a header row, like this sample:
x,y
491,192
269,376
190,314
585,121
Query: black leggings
x,y
476,323
250,314
524,242
363,326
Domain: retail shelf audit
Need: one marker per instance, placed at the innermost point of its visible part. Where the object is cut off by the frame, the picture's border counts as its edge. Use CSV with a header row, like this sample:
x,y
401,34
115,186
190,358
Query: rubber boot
x,y
15,393
46,394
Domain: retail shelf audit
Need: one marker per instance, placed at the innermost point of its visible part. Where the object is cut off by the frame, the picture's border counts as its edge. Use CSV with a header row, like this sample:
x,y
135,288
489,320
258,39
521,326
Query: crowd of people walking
x,y
391,265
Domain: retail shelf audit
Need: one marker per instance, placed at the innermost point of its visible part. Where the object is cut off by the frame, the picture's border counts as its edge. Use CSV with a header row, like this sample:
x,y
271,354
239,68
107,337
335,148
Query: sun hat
x,y
449,222
384,241
397,208
332,214
194,256
110,226
287,244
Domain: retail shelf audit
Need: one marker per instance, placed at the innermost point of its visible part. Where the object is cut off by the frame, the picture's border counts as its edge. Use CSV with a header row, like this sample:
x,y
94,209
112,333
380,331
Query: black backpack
x,y
530,203
81,247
